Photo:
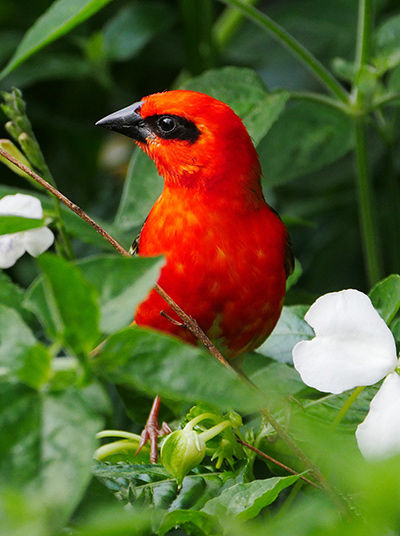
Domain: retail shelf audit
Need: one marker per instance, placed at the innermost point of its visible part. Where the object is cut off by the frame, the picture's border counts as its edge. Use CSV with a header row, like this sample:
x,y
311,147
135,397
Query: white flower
x,y
34,241
353,347
378,435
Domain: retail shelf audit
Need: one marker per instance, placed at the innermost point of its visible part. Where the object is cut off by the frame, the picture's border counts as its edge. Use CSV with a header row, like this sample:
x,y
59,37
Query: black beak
x,y
127,121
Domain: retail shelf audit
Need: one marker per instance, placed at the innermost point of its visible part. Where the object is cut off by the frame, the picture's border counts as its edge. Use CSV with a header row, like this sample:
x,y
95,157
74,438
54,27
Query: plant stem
x,y
199,40
227,24
346,406
113,448
280,464
321,99
364,27
366,211
316,68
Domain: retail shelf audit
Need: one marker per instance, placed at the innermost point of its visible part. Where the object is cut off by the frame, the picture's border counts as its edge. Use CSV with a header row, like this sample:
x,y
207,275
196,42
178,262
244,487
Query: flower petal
x,y
11,249
353,346
37,240
21,205
378,436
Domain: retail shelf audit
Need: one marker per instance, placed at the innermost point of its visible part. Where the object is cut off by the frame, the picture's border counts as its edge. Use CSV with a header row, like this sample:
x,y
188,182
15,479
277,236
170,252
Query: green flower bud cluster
x,y
184,449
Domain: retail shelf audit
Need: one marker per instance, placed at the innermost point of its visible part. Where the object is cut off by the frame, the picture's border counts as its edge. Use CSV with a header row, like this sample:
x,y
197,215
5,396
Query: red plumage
x,y
227,252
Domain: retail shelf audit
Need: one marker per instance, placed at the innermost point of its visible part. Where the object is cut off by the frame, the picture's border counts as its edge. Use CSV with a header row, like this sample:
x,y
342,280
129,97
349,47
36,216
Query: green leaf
x,y
16,224
277,380
240,88
134,26
151,485
295,275
319,135
15,339
48,447
192,522
290,329
61,17
35,367
245,501
387,44
385,297
142,187
122,283
47,66
66,305
12,295
153,362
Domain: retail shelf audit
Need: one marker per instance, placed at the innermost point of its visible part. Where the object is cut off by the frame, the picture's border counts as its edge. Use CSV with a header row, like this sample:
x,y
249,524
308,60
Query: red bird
x,y
227,251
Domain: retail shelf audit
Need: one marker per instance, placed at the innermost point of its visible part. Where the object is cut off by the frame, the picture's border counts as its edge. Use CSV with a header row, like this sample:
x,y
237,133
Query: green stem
x,y
227,25
364,27
352,398
321,99
388,98
316,68
215,430
113,448
367,221
199,43
191,424
118,433
366,213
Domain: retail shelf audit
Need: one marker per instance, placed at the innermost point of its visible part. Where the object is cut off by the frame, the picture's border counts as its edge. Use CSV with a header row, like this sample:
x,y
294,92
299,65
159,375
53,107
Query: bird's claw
x,y
151,431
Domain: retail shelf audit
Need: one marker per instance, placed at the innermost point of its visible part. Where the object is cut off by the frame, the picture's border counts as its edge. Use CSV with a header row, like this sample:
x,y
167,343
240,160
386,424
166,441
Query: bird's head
x,y
194,139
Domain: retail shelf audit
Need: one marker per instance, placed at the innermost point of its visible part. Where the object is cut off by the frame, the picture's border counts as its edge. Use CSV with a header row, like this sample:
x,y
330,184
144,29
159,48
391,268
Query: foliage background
x,y
133,48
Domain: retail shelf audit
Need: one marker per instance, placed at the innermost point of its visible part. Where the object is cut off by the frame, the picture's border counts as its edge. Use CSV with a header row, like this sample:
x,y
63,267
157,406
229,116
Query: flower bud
x,y
181,451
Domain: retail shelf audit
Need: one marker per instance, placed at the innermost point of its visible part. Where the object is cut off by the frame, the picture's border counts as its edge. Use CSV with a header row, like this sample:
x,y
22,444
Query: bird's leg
x,y
151,430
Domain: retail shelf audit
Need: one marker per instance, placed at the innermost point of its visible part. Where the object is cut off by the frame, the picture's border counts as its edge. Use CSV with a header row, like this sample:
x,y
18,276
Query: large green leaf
x,y
152,485
15,339
49,444
245,501
385,297
16,224
12,295
122,283
154,363
61,17
142,187
290,329
307,137
244,91
387,44
134,26
66,304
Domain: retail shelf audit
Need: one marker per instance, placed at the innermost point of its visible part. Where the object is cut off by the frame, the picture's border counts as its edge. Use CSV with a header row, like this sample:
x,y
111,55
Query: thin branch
x,y
276,462
189,322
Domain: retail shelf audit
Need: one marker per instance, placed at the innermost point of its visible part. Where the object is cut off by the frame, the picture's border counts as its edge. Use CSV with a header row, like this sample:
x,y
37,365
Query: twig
x,y
189,322
276,462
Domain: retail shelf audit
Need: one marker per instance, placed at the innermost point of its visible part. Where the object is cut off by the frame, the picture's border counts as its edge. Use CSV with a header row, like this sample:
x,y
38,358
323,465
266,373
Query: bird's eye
x,y
166,123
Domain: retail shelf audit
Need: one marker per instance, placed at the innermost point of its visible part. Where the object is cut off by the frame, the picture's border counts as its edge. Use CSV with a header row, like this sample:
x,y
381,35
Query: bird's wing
x,y
134,249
